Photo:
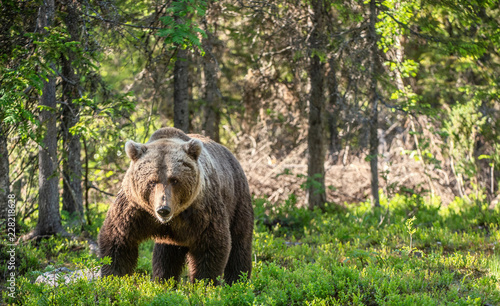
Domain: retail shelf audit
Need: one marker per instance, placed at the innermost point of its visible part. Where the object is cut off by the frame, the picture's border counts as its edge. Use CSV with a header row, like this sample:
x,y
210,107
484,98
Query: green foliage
x,y
463,126
394,20
24,70
331,257
27,258
181,28
411,231
312,181
13,100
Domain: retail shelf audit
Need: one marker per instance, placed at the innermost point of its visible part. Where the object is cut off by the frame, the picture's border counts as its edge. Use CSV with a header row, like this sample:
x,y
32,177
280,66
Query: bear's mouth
x,y
164,219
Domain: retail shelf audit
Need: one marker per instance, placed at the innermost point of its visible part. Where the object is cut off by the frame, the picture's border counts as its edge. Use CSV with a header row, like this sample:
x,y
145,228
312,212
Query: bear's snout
x,y
163,211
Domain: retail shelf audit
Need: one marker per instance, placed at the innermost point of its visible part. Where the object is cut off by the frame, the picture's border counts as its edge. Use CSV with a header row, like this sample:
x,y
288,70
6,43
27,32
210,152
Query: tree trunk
x,y
315,140
87,187
211,96
4,178
49,219
72,167
181,89
333,112
374,105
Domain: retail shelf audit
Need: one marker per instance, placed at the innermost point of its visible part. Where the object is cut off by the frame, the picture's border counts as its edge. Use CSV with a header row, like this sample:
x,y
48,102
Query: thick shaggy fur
x,y
210,225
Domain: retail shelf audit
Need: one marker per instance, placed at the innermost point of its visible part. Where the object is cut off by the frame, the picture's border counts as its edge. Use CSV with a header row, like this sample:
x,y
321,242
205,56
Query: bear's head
x,y
164,176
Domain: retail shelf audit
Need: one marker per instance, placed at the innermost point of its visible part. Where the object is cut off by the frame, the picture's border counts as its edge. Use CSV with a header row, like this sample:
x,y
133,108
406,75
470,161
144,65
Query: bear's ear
x,y
193,148
134,150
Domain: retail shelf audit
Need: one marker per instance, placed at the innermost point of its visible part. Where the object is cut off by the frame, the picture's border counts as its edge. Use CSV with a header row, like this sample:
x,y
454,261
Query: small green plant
x,y
410,230
90,262
313,181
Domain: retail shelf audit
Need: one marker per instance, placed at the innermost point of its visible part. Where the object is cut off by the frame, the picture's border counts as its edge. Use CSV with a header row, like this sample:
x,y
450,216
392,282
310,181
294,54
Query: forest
x,y
369,132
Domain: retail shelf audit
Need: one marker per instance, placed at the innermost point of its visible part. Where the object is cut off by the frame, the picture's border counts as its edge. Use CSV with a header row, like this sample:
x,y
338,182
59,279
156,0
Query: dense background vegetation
x,y
369,132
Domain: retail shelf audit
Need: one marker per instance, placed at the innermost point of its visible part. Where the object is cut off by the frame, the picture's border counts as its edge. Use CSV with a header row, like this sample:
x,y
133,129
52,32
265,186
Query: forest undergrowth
x,y
410,251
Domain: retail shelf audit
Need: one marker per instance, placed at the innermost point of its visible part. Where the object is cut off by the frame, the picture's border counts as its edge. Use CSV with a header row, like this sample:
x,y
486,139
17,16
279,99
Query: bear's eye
x,y
152,184
174,181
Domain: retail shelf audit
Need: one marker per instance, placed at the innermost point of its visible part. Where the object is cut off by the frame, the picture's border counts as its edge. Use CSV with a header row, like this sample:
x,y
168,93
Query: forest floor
x,y
409,252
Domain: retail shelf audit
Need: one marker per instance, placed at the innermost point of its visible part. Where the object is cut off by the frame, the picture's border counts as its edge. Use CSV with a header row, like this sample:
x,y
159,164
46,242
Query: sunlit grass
x,y
336,256
494,265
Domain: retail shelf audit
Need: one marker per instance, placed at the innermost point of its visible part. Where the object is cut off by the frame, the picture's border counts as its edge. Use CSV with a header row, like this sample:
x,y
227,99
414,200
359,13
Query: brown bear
x,y
191,196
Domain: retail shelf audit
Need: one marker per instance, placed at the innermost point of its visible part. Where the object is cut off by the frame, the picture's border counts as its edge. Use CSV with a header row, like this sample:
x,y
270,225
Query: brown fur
x,y
211,220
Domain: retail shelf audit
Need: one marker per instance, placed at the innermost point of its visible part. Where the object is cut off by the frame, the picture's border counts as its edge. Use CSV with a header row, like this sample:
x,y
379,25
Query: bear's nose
x,y
163,211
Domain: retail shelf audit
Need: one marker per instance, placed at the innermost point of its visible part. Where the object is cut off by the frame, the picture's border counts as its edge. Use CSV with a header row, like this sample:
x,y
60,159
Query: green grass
x,y
335,256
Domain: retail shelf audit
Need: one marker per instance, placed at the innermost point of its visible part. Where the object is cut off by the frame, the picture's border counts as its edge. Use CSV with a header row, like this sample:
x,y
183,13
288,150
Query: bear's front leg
x,y
124,228
208,258
168,261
